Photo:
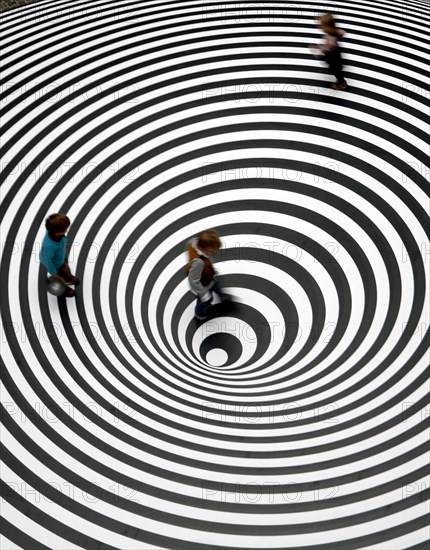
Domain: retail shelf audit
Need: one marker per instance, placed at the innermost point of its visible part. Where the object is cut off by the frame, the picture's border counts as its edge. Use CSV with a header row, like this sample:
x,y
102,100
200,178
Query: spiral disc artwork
x,y
294,417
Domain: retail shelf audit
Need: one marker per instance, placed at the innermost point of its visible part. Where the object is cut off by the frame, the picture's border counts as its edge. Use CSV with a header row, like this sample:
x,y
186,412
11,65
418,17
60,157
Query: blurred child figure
x,y
53,253
201,273
329,51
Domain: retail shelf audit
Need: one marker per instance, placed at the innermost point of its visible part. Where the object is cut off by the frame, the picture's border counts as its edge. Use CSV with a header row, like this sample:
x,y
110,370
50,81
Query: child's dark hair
x,y
209,240
57,223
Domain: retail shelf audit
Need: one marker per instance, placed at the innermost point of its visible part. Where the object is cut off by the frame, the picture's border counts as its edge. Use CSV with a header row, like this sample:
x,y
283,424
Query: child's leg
x,y
335,67
201,310
338,73
66,274
219,289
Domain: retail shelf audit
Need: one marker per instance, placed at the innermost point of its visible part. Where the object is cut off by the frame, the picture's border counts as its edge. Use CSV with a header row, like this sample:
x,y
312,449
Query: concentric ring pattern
x,y
298,417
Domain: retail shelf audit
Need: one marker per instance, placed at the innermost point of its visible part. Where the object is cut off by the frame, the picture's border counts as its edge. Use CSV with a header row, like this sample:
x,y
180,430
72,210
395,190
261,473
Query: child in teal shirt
x,y
53,253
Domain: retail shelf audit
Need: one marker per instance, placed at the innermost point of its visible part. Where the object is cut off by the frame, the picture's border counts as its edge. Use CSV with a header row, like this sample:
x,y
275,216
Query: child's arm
x,y
47,259
194,277
329,43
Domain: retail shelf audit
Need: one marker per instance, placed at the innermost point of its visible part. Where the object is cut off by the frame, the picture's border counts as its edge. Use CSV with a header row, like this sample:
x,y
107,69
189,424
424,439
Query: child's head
x,y
57,224
208,241
327,22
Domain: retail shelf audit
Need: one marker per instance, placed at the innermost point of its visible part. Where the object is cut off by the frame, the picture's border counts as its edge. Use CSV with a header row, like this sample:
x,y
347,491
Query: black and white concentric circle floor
x,y
298,419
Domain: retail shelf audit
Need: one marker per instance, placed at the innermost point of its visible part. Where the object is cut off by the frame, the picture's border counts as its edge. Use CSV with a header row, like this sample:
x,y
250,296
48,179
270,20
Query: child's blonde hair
x,y
328,24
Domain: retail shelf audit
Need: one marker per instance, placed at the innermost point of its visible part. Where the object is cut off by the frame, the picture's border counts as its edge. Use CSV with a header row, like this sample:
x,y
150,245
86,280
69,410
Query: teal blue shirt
x,y
53,253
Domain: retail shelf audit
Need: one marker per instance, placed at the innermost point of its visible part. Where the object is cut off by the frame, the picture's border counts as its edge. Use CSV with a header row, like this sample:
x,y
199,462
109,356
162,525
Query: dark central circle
x,y
222,341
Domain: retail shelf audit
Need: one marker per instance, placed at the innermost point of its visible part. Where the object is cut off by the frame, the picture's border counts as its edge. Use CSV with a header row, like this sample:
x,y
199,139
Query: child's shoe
x,y
337,86
199,317
70,293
